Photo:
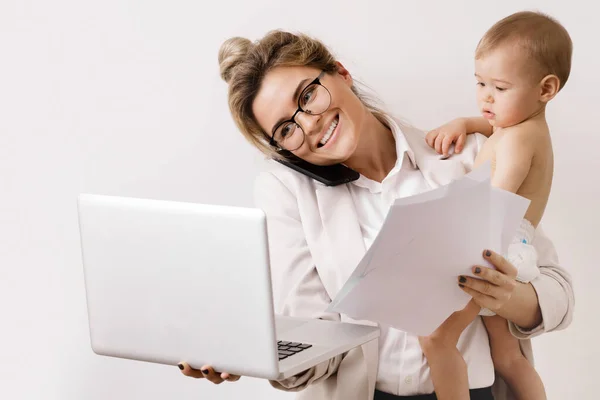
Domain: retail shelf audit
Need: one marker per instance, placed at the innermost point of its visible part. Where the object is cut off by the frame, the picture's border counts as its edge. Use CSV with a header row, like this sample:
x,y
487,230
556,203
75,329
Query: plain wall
x,y
124,97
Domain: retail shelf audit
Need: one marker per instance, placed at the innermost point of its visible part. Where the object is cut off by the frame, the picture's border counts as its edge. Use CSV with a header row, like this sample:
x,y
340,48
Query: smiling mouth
x,y
329,132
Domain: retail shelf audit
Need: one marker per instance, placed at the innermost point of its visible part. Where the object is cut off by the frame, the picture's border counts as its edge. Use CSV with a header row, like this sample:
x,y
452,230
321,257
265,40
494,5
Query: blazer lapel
x,y
343,246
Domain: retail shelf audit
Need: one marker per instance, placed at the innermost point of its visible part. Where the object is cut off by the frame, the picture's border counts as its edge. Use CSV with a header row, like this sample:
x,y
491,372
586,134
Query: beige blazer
x,y
316,242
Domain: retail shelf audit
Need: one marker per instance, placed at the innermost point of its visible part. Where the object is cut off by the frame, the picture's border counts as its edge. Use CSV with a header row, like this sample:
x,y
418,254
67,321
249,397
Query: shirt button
x,y
408,380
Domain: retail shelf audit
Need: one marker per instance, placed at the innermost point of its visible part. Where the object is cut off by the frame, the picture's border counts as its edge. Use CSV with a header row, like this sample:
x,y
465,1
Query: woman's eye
x,y
307,96
286,130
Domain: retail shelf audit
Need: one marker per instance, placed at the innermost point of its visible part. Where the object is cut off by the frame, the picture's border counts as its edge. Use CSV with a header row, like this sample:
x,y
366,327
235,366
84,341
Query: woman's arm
x,y
523,308
554,295
542,305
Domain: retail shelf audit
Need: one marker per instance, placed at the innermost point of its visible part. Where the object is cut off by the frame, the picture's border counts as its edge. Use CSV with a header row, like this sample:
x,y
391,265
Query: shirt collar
x,y
402,145
402,148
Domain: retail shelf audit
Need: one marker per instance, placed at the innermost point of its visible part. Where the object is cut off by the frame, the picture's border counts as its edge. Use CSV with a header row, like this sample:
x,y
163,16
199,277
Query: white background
x,y
124,97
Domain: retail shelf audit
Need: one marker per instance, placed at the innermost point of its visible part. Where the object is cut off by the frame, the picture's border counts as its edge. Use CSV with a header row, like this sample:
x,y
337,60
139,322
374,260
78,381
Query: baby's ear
x,y
549,86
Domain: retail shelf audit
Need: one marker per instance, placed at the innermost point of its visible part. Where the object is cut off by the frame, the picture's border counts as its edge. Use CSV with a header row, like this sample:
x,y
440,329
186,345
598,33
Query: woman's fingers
x,y
492,288
229,378
500,263
494,277
480,286
482,300
206,371
189,371
211,374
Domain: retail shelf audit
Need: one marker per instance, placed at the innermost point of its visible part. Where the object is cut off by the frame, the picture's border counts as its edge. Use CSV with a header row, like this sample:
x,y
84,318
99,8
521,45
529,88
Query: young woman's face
x,y
330,137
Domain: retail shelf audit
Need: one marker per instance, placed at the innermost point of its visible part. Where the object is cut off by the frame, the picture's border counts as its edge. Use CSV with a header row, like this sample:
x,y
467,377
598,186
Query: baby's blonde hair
x,y
543,39
244,64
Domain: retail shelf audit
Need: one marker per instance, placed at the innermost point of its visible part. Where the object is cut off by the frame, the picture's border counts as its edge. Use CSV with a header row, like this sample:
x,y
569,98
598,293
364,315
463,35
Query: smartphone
x,y
330,175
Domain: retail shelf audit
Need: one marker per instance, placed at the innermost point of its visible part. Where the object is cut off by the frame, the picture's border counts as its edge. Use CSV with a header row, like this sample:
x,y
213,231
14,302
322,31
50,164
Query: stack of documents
x,y
408,279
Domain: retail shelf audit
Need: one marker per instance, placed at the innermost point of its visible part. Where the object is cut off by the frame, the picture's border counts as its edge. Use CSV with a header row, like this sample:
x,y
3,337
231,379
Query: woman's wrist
x,y
523,308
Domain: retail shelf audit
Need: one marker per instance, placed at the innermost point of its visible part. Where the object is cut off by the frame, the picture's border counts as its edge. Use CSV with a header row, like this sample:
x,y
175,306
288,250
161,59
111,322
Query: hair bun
x,y
231,53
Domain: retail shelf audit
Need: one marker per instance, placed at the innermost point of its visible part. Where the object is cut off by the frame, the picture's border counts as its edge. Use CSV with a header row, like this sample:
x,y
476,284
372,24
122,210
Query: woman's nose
x,y
308,122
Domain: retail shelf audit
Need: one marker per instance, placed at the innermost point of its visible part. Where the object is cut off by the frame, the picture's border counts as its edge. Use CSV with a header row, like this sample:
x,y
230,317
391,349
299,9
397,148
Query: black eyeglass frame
x,y
316,81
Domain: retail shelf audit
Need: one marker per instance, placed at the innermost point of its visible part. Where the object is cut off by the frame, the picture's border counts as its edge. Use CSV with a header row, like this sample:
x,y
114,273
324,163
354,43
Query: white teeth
x,y
329,132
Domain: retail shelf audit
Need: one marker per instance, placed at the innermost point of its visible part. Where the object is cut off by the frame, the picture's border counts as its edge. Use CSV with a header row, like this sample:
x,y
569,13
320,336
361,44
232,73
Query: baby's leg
x,y
448,368
510,363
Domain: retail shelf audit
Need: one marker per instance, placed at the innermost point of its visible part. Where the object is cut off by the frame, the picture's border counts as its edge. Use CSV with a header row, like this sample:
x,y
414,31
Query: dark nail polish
x,y
462,279
180,366
477,270
462,286
204,371
488,253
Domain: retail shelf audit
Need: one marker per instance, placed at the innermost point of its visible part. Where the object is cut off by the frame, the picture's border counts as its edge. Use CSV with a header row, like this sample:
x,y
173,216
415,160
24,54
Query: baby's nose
x,y
488,98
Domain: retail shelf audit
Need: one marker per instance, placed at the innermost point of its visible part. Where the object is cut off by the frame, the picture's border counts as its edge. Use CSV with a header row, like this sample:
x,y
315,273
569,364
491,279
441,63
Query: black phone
x,y
329,175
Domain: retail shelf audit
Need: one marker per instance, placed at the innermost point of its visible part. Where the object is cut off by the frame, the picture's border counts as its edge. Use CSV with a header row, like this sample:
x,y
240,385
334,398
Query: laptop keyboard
x,y
286,349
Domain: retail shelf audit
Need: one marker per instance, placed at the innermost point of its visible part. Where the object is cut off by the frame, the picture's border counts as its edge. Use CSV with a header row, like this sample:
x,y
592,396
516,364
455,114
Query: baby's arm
x,y
514,154
478,124
456,131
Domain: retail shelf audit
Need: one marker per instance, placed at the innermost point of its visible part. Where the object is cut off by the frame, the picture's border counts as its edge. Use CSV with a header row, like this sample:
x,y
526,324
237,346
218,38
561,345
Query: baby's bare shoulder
x,y
524,134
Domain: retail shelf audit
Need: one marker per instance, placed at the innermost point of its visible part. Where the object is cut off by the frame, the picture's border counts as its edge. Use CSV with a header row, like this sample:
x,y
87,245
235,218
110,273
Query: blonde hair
x,y
244,64
542,38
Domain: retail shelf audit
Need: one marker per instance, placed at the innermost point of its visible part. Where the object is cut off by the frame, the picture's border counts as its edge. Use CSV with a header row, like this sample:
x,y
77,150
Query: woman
x,y
287,92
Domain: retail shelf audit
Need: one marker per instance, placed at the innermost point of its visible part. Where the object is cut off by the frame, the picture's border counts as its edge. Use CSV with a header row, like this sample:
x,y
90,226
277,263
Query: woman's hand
x,y
441,138
207,372
492,289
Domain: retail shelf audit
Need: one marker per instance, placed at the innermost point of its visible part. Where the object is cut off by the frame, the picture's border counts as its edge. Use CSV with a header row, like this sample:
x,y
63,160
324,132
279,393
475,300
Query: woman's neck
x,y
375,154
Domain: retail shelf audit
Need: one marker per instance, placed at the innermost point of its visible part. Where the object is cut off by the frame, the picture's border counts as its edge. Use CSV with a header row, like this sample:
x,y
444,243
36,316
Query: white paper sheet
x,y
408,279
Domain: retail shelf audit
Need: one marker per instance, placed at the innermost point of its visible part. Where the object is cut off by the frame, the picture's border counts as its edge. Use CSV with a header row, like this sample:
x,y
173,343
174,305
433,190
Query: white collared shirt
x,y
403,369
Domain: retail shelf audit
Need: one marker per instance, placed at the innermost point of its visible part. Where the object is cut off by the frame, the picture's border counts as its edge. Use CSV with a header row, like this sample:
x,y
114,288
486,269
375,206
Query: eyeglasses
x,y
315,99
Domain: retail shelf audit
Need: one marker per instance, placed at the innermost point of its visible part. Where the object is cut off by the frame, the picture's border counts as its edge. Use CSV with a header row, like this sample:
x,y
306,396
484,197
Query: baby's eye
x,y
480,84
500,89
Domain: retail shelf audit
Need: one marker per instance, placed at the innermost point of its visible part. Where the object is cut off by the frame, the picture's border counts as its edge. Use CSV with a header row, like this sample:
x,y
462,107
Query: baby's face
x,y
507,93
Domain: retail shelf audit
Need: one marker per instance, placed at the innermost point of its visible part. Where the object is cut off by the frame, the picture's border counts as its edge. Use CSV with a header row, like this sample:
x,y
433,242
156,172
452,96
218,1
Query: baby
x,y
521,63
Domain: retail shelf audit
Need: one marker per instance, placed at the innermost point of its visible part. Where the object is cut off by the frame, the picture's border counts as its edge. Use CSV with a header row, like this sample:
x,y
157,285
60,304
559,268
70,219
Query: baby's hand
x,y
441,138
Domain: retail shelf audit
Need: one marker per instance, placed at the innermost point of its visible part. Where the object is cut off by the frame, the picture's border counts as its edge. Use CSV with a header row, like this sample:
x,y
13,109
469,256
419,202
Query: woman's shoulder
x,y
276,183
273,173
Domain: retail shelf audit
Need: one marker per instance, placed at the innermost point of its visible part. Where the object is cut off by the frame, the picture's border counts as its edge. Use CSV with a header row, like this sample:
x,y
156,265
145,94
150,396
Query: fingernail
x,y
180,366
462,286
462,279
477,270
204,371
488,253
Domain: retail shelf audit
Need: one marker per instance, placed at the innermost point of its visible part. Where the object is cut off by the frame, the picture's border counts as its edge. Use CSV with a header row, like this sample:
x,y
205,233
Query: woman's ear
x,y
344,73
550,86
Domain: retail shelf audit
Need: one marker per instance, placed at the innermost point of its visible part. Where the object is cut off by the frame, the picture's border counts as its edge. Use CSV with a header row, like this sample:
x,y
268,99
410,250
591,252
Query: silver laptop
x,y
170,281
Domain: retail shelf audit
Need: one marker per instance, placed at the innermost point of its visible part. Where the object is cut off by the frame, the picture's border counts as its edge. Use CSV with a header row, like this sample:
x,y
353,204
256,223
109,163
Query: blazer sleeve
x,y
554,289
297,287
